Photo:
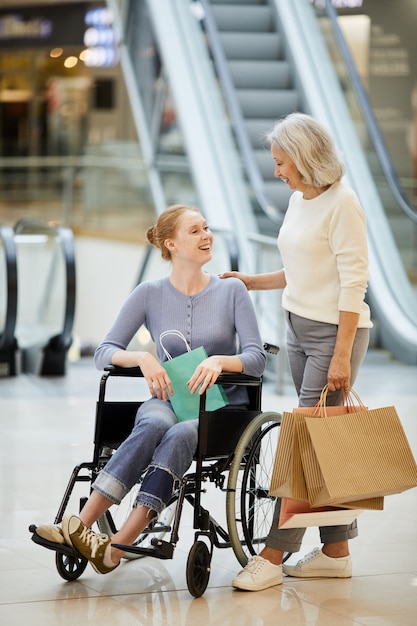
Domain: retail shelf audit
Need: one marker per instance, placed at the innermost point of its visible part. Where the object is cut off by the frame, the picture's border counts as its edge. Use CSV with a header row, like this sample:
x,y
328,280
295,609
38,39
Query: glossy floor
x,y
47,428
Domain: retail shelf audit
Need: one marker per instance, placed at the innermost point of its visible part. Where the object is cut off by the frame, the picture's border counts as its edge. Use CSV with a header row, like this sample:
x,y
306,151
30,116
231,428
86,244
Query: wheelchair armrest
x,y
116,370
224,378
230,378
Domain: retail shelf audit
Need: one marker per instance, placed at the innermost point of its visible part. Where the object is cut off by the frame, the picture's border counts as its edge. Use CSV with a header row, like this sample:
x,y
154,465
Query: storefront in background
x,y
60,80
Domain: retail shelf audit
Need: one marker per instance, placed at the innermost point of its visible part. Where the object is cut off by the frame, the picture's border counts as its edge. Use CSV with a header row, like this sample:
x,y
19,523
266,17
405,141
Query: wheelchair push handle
x,y
271,348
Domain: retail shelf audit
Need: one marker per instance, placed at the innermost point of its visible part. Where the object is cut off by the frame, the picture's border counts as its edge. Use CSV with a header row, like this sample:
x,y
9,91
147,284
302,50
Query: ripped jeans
x,y
157,442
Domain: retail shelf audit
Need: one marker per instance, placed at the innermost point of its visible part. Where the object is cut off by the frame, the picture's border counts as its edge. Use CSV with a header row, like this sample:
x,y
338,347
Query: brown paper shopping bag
x,y
360,455
288,478
312,472
311,468
287,473
299,514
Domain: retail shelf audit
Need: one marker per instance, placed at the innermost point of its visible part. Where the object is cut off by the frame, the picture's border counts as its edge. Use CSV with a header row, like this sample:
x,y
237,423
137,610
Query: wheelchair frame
x,y
247,437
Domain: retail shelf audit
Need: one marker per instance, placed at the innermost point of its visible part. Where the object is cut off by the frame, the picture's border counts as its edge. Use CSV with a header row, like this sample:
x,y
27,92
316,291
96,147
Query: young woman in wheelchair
x,y
208,311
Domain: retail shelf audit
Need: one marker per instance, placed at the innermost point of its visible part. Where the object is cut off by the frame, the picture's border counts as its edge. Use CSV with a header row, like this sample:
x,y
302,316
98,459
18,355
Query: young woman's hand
x,y
157,378
205,374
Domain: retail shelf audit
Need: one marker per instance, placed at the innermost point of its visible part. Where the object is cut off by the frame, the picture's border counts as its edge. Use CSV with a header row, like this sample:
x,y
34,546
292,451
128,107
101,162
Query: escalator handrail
x,y
368,115
66,240
274,213
7,336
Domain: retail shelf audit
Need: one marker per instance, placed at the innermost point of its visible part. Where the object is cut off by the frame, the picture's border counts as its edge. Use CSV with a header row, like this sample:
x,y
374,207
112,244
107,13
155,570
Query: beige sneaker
x,y
318,565
89,544
258,574
51,532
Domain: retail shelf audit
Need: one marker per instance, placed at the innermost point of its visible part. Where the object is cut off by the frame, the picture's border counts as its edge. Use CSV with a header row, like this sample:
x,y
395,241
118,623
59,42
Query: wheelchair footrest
x,y
52,545
160,549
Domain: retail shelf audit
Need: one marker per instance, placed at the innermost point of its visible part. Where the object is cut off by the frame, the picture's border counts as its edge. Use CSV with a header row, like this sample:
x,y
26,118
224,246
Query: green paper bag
x,y
180,369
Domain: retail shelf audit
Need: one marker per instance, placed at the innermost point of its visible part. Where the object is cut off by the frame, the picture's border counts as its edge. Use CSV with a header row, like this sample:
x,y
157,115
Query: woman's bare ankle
x,y
272,555
116,555
336,550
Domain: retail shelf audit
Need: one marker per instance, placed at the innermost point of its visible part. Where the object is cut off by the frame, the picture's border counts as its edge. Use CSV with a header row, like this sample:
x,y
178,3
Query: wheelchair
x,y
238,462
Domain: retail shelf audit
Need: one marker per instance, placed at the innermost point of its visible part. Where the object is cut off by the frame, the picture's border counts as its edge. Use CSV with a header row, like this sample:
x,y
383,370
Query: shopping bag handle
x,y
176,333
348,396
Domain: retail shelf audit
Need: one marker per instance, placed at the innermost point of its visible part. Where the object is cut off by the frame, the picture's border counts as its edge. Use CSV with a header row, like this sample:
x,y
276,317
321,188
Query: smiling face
x,y
285,169
193,239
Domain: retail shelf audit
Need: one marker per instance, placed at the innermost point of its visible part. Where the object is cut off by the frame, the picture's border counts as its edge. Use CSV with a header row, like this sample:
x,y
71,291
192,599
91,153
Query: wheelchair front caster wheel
x,y
70,567
198,569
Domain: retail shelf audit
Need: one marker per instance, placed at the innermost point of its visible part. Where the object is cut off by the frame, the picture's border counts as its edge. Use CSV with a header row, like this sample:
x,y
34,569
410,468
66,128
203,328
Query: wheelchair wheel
x,y
70,567
116,516
198,569
249,508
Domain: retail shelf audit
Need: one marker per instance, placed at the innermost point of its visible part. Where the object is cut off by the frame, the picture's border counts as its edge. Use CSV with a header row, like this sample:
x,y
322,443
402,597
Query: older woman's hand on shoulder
x,y
270,280
245,278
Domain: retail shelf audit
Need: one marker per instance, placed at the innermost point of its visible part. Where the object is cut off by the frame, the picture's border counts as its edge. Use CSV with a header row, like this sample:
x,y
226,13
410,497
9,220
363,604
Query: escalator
x,y
8,302
231,68
252,63
46,296
37,298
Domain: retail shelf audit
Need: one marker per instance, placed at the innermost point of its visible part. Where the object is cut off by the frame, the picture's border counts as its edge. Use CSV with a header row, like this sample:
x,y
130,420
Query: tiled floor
x,y
47,428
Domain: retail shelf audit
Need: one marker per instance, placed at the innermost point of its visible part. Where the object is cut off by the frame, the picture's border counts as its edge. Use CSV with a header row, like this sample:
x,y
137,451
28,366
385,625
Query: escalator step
x,y
266,103
251,46
239,2
261,74
249,18
257,128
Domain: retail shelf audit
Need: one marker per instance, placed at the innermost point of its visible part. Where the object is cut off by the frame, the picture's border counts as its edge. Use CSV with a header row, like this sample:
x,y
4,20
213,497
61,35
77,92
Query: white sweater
x,y
324,251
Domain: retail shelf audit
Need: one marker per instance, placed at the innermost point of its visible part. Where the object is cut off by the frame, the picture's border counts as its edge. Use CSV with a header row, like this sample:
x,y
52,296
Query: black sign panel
x,y
44,26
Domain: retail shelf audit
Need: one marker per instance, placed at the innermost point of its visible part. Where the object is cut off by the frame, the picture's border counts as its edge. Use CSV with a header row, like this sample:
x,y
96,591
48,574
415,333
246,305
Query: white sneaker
x,y
318,565
258,574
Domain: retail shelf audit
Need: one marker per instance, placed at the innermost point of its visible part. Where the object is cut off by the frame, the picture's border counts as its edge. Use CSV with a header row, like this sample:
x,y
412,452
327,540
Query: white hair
x,y
311,148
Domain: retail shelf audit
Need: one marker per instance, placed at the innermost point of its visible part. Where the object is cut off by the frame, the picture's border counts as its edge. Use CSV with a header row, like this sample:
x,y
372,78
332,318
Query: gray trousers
x,y
310,347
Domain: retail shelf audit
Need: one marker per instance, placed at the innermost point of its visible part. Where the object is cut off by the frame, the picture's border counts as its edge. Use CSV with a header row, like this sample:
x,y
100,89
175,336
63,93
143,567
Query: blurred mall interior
x,y
109,112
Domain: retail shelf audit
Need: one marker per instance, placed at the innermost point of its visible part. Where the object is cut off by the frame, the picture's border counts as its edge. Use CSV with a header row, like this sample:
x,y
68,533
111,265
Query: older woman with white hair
x,y
324,277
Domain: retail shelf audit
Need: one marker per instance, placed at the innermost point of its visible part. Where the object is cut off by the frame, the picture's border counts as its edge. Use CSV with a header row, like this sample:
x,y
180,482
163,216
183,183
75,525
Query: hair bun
x,y
150,235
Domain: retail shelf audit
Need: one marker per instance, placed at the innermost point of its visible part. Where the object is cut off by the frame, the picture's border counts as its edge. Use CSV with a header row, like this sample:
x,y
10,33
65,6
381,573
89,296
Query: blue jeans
x,y
310,348
157,442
